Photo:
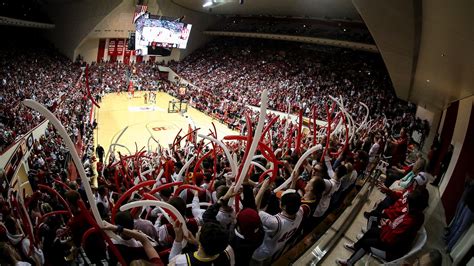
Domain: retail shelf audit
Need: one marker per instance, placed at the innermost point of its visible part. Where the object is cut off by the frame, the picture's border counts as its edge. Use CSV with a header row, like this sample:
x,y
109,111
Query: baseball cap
x,y
249,224
281,193
422,178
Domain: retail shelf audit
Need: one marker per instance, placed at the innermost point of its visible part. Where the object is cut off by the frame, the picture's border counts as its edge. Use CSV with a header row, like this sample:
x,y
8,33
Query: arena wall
x,y
88,50
434,119
7,154
75,20
116,24
459,139
453,183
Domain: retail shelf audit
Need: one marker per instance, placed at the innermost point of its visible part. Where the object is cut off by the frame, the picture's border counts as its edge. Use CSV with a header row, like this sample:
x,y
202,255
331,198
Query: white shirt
x,y
129,243
348,180
226,219
38,253
278,229
104,201
374,150
331,187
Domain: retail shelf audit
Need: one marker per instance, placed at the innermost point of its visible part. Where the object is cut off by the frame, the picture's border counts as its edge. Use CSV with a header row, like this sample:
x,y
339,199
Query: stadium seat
x,y
417,246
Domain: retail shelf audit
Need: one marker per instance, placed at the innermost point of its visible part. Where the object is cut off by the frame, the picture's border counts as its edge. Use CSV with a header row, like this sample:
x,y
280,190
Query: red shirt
x,y
78,225
168,170
401,232
400,206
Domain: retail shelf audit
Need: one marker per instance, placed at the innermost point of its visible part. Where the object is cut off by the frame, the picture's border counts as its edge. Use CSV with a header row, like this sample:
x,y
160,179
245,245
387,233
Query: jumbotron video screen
x,y
161,33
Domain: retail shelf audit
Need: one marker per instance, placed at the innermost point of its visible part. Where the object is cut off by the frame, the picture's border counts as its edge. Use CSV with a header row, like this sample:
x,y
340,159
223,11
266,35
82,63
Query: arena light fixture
x,y
207,4
215,3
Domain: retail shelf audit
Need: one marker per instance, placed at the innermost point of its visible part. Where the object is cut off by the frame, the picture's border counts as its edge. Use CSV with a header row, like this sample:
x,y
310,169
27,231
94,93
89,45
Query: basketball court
x,y
118,112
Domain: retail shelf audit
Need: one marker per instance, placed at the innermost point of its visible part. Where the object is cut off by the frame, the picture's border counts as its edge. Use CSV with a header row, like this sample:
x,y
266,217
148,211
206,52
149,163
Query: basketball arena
x,y
236,132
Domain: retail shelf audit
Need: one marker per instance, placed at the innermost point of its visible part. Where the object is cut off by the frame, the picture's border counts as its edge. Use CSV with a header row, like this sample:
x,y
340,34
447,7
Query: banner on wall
x,y
112,47
126,54
120,46
101,50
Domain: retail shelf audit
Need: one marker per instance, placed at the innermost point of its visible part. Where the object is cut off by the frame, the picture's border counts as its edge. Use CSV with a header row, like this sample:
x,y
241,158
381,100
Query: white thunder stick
x,y
256,139
157,203
233,163
297,166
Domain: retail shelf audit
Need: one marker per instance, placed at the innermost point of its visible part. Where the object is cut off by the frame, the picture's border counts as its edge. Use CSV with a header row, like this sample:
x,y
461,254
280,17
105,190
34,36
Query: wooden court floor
x,y
117,111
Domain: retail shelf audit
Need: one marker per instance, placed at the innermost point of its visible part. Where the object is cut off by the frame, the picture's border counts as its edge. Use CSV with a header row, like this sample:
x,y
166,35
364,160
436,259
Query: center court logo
x,y
144,109
159,128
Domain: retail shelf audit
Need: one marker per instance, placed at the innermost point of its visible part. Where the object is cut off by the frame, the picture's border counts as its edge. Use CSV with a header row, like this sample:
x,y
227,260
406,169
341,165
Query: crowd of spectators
x,y
41,74
345,31
230,73
266,224
106,77
257,233
44,75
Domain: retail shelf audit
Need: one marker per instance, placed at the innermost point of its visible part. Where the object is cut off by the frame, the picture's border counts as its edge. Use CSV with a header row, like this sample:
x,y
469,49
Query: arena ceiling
x,y
334,9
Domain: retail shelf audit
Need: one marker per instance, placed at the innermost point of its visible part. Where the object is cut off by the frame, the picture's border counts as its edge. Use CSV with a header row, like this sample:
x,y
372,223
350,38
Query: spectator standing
x,y
100,153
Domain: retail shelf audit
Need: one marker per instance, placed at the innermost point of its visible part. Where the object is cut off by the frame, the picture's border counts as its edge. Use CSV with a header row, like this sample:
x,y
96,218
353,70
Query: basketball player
x,y
130,89
184,33
145,96
182,93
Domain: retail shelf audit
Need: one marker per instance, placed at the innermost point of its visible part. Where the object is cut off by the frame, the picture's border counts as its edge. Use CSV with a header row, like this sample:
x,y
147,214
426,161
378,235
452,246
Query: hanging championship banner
x,y
112,47
127,52
120,45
